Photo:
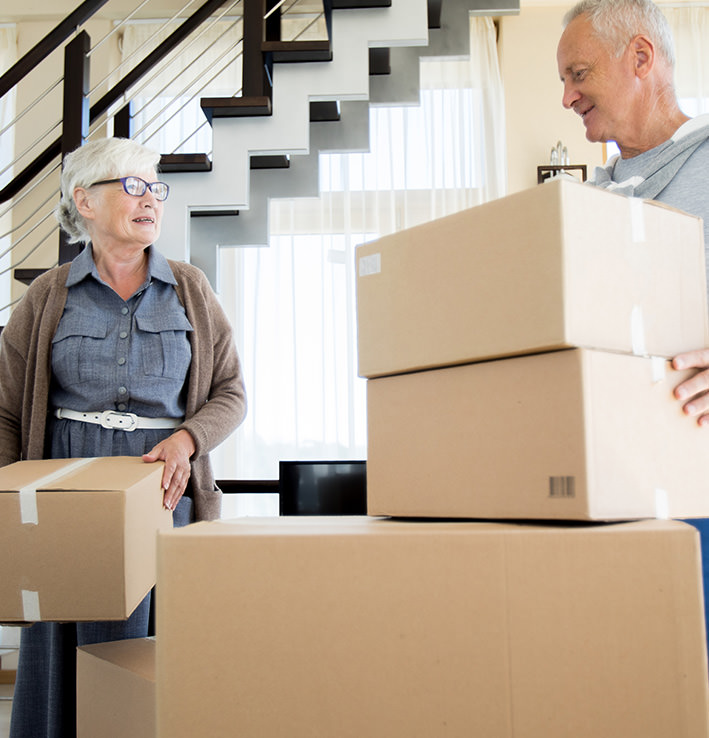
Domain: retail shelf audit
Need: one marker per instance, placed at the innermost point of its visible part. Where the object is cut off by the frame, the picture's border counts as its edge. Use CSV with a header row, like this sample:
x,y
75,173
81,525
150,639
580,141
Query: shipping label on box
x,y
82,534
356,627
558,266
569,435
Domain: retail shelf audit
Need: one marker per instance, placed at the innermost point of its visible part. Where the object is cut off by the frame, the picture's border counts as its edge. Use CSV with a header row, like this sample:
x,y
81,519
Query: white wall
x,y
536,119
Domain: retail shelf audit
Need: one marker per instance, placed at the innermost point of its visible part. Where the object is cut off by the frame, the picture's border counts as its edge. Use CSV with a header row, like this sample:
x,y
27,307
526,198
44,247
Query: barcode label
x,y
562,487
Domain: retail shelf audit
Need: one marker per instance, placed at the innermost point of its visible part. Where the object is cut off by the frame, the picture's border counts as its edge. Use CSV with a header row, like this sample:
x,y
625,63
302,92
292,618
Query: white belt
x,y
114,419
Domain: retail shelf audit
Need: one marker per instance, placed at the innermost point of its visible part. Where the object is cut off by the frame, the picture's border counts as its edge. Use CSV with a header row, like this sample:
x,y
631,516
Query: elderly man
x,y
616,60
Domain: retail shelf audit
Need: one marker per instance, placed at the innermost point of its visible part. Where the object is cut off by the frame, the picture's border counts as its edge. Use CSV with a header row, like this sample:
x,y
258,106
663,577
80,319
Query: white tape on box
x,y
637,220
28,494
658,368
371,264
30,605
662,504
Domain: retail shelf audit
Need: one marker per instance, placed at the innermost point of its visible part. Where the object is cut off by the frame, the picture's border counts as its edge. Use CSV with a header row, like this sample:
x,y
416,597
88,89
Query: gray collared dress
x,y
107,354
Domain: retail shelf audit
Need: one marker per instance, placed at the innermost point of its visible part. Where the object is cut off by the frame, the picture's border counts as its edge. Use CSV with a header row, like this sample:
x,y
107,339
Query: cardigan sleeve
x,y
13,368
25,347
216,397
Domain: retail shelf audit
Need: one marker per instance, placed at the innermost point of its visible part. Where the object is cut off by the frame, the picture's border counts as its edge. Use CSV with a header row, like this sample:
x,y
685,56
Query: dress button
x,y
122,390
121,361
123,334
124,310
121,406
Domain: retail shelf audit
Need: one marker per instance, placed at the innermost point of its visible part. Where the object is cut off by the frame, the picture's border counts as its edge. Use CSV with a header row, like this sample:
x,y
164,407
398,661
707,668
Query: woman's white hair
x,y
616,22
104,158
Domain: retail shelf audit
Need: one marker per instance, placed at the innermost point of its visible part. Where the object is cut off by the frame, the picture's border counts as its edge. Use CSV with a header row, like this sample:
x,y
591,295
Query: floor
x,y
5,709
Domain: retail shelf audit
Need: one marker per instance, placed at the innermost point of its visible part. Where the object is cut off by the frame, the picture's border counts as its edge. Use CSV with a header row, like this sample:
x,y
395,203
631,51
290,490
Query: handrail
x,y
53,40
160,52
78,118
53,150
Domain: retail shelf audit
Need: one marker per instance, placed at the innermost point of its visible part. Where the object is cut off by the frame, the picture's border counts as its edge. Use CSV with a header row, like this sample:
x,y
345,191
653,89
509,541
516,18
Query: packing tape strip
x,y
371,264
662,504
30,605
658,368
28,494
637,219
637,331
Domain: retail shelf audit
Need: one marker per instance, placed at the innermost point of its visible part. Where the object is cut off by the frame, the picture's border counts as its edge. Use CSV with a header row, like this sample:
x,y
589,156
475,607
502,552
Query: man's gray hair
x,y
616,22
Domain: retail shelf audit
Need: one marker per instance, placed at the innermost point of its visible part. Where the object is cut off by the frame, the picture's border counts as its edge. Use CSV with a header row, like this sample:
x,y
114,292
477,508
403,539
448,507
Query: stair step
x,y
298,51
434,13
27,276
324,111
185,163
352,4
236,107
379,61
214,213
270,161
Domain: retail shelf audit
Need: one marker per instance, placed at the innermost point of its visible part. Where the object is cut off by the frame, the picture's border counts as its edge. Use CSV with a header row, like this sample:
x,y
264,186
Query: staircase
x,y
287,130
224,201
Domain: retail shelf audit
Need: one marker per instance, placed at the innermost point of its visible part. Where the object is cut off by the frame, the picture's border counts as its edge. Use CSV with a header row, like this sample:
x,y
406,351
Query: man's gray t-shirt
x,y
688,190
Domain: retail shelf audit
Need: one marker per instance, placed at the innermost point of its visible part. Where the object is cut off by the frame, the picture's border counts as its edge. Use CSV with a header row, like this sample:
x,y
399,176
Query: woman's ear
x,y
83,202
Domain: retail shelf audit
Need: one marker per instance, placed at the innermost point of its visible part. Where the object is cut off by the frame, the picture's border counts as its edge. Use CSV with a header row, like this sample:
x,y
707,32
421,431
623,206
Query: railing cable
x,y
145,43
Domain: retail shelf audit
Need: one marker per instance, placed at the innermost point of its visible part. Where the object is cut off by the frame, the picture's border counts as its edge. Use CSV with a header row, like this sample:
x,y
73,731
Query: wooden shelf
x,y
547,171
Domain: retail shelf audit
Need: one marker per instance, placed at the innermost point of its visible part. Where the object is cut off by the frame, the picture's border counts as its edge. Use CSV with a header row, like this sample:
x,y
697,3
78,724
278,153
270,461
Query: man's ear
x,y
643,55
83,202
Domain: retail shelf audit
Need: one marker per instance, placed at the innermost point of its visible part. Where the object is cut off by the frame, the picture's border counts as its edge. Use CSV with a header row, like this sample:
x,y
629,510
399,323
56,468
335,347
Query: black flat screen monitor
x,y
322,488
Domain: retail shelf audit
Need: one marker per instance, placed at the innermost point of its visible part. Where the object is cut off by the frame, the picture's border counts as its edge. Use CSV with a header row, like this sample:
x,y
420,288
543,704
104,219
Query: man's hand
x,y
694,392
175,451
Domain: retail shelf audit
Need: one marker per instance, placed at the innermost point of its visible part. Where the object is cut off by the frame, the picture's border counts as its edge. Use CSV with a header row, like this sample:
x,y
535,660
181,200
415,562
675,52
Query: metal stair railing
x,y
79,121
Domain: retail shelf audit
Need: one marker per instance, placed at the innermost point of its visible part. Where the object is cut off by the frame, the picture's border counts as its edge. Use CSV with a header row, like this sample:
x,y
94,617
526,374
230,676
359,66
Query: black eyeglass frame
x,y
147,186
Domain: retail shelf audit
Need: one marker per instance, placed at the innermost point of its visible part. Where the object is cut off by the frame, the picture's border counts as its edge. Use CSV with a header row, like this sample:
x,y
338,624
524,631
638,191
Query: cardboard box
x,y
568,435
82,536
561,265
115,689
353,627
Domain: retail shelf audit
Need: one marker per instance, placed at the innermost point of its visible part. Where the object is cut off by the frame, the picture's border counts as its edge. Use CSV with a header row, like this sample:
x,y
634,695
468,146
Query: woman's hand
x,y
175,451
694,392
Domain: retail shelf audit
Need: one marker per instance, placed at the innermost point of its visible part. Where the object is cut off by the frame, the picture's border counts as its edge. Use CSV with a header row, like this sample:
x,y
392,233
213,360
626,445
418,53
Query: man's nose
x,y
570,96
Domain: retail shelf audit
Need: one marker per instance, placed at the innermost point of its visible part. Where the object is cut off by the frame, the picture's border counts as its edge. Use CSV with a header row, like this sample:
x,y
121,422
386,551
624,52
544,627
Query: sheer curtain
x,y
293,302
8,56
690,28
166,112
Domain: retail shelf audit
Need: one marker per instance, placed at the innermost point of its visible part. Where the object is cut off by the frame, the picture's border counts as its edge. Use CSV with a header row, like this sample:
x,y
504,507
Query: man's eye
x,y
579,74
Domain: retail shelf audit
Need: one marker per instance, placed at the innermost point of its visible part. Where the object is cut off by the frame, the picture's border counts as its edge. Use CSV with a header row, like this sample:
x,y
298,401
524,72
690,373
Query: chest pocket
x,y
164,345
76,349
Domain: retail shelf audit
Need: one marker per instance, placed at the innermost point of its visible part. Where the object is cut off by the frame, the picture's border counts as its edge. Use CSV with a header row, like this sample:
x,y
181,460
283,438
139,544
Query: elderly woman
x,y
120,329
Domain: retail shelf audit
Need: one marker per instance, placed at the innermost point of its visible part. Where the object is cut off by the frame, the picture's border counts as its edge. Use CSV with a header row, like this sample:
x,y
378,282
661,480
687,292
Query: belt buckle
x,y
119,421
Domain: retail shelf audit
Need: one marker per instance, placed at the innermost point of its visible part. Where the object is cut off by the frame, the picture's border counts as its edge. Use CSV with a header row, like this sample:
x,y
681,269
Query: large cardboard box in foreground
x,y
354,627
80,537
571,435
558,266
115,689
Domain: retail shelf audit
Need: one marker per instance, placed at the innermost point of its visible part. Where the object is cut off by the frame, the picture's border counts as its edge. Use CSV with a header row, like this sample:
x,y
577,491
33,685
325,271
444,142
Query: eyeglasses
x,y
136,186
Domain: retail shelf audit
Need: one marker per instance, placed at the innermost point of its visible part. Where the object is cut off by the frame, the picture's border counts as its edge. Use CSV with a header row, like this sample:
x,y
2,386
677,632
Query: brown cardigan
x,y
216,400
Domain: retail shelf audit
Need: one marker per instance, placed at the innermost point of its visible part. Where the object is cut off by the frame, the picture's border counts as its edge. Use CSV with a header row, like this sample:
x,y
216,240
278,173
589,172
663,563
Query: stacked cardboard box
x,y
507,350
544,322
82,535
365,627
115,689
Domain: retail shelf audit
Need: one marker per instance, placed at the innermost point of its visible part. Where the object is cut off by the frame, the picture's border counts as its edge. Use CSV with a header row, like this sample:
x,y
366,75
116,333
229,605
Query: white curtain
x,y
8,56
293,303
167,115
690,28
